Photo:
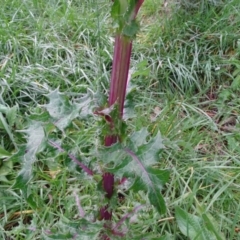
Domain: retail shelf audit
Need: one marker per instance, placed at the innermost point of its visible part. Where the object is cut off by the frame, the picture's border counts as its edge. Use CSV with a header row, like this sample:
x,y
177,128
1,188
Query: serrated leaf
x,y
192,226
84,104
63,111
138,165
150,180
139,138
113,154
42,117
35,144
142,69
161,176
149,151
80,229
60,109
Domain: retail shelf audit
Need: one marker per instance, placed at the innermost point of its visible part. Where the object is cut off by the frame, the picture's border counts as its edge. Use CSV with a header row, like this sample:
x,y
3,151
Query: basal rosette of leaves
x,y
132,164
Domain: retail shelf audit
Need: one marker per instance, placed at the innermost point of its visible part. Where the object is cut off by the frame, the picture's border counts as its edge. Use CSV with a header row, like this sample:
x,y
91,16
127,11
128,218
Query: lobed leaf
x,y
63,111
35,144
138,165
151,180
149,151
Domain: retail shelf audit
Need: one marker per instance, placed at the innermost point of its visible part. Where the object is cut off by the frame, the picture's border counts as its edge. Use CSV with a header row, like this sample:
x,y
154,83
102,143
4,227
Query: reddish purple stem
x,y
118,87
108,184
119,77
105,213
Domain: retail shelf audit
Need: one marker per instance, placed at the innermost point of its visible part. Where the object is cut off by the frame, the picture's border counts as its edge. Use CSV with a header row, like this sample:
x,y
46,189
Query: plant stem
x,y
118,87
120,70
119,77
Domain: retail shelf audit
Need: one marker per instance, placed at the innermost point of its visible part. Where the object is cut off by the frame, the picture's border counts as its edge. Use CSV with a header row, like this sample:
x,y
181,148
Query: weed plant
x,y
184,84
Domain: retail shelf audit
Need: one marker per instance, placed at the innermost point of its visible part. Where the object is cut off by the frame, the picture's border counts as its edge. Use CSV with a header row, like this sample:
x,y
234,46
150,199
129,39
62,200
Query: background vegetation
x,y
185,81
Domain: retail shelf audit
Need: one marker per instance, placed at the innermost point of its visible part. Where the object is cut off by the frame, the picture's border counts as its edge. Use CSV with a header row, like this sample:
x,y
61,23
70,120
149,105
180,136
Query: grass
x,y
183,67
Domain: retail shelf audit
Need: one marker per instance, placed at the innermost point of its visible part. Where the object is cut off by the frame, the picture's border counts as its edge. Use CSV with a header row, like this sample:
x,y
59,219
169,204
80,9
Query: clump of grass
x,y
191,49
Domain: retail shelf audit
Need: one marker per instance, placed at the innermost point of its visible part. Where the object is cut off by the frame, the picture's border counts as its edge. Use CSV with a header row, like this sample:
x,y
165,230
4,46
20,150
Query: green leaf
x,y
211,226
63,111
149,151
63,236
193,226
131,29
42,117
35,144
156,199
119,7
142,69
116,9
139,138
79,229
149,179
189,224
137,164
122,13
